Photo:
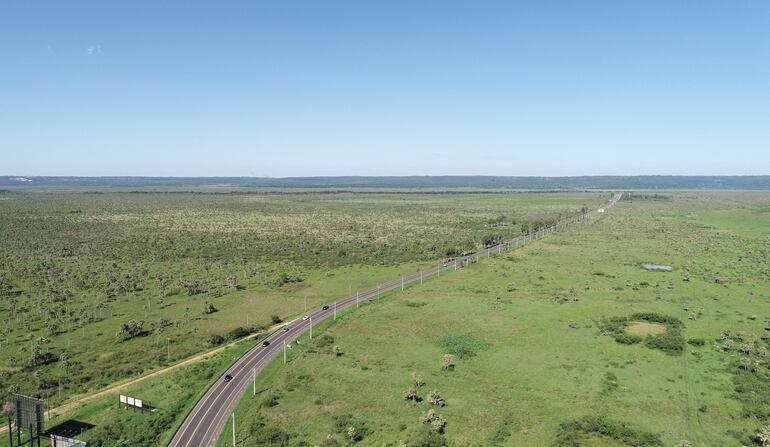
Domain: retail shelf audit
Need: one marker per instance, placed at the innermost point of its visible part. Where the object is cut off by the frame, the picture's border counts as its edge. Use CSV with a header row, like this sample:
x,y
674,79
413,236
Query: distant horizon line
x,y
20,176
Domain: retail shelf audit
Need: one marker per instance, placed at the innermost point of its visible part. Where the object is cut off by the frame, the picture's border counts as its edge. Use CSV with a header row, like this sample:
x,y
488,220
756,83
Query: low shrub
x,y
351,427
238,332
267,435
670,342
216,340
627,339
462,346
424,436
570,433
416,303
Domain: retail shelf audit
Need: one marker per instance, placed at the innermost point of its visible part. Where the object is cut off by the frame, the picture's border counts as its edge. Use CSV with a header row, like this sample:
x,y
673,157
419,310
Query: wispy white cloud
x,y
93,50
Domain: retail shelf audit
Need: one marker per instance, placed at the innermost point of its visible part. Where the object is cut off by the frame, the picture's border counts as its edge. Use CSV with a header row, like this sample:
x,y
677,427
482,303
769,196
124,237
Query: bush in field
x,y
696,342
417,380
192,287
435,399
423,436
411,394
238,332
38,353
447,362
6,288
331,441
351,427
275,319
627,339
763,436
435,420
669,342
570,433
267,435
129,330
285,278
208,308
216,340
462,346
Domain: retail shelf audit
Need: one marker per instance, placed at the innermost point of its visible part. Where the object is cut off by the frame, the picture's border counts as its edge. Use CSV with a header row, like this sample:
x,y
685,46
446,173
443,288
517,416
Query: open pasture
x,y
520,350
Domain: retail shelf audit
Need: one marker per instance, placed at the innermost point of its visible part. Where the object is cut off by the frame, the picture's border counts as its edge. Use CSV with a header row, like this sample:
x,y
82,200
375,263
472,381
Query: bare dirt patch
x,y
644,328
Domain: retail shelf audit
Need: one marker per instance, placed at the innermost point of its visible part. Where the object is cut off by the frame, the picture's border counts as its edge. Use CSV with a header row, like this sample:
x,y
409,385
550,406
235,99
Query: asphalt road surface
x,y
206,420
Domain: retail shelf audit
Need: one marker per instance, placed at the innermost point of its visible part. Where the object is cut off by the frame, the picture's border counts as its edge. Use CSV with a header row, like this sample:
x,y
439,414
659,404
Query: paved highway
x,y
206,420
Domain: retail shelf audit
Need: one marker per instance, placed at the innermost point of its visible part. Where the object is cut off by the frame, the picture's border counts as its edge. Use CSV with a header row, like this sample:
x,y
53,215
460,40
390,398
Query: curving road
x,y
206,420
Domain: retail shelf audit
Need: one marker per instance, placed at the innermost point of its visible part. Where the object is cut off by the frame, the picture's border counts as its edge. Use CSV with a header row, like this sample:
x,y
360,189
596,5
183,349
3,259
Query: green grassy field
x,y
535,341
75,267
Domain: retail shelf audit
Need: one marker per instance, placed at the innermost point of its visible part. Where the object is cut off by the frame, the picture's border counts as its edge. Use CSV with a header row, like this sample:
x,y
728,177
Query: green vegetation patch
x,y
750,369
646,327
154,277
571,433
462,346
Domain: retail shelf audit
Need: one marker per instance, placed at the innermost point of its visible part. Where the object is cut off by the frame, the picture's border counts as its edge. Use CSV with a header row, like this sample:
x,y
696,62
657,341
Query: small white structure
x,y
131,401
601,210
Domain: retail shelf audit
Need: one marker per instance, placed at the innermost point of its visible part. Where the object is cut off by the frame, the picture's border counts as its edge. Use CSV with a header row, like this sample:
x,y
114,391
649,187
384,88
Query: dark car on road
x,y
228,377
326,307
265,344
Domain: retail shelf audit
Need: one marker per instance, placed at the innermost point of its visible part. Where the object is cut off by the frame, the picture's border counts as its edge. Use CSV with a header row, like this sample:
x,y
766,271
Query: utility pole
x,y
356,299
168,349
254,389
284,352
402,283
233,429
311,328
420,277
335,310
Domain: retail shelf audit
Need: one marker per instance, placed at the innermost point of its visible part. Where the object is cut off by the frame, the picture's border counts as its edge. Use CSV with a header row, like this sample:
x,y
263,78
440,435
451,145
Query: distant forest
x,y
422,182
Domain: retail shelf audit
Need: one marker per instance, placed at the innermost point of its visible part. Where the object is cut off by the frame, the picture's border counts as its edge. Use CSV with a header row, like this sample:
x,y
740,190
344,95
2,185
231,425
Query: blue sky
x,y
327,87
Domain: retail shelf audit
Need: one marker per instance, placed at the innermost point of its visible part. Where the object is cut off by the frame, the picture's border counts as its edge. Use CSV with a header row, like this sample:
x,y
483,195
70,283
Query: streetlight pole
x,y
311,328
284,352
233,429
335,310
254,389
356,299
168,349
